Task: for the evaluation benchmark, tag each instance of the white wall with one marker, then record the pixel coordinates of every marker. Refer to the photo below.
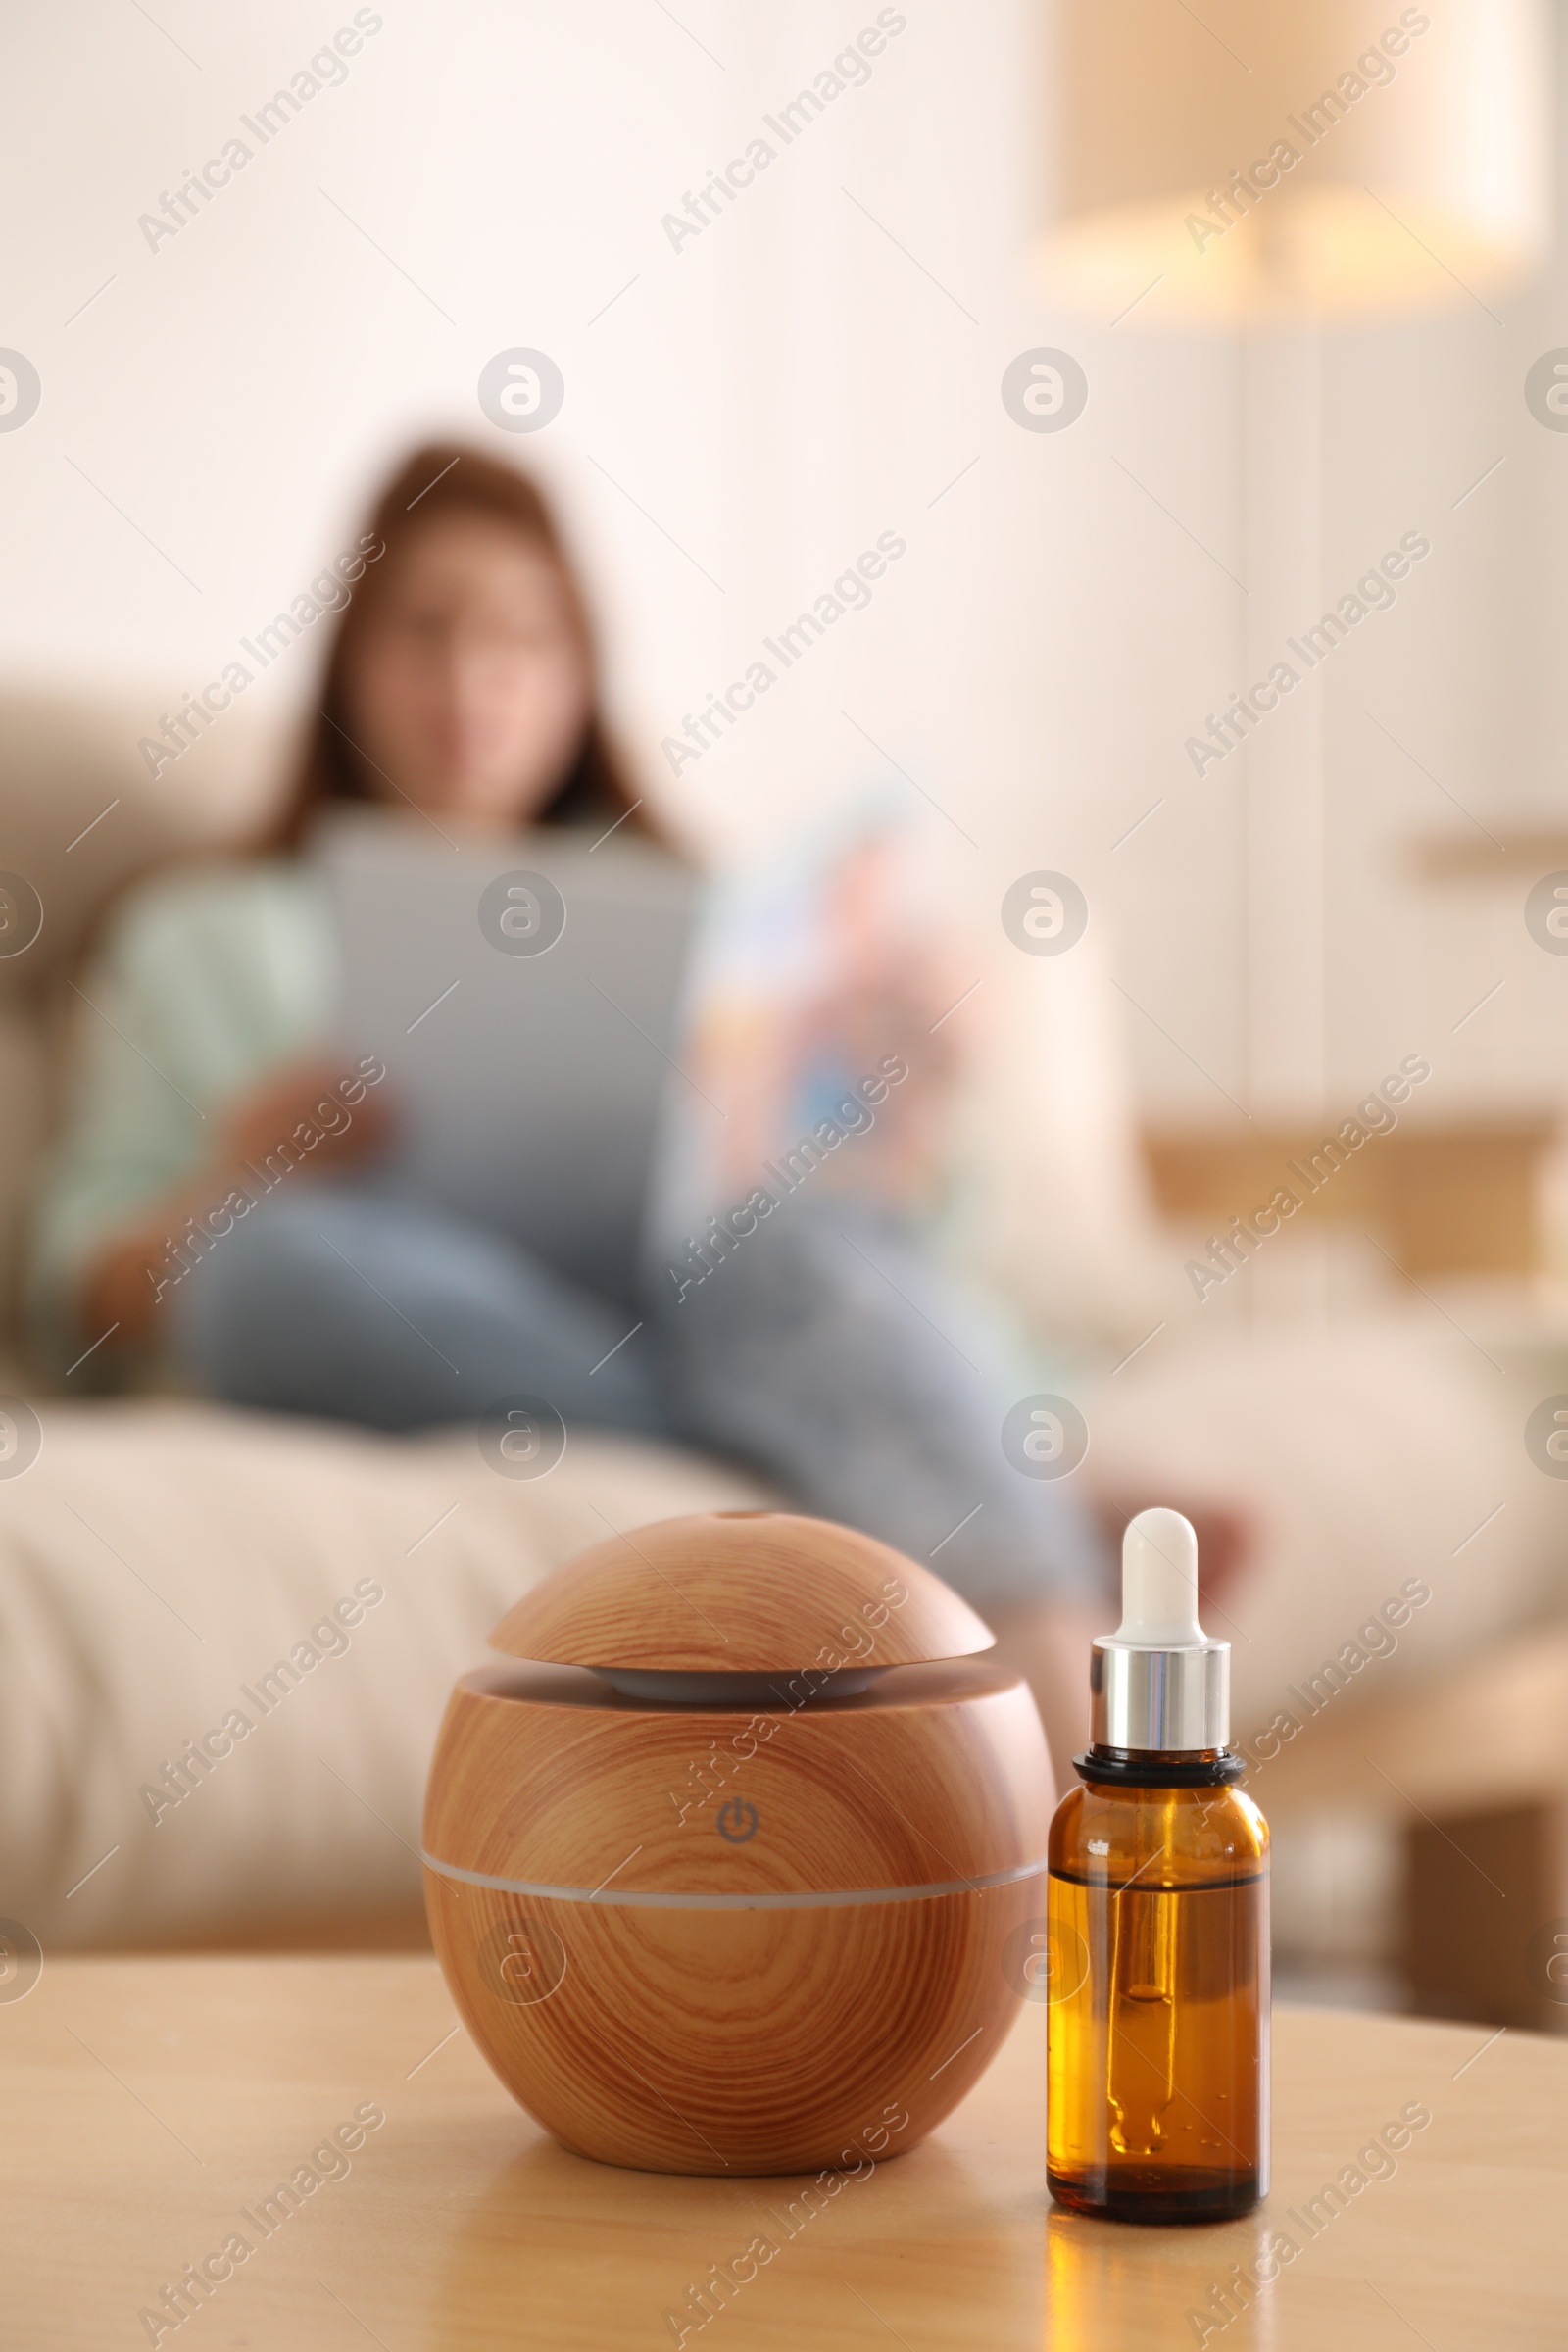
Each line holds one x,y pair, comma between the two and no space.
816,368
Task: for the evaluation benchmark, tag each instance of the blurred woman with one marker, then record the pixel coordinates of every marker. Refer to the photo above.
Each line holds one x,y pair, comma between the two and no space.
460,689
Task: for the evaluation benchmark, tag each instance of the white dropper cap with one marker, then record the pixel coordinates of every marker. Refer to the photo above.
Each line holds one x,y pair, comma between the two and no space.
1159,1681
1160,1582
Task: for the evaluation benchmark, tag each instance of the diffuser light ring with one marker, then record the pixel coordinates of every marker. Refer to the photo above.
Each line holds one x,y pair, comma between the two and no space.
833,1898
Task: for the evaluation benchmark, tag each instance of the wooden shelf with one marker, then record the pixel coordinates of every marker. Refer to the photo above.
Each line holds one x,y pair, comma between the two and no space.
1444,1199
1469,857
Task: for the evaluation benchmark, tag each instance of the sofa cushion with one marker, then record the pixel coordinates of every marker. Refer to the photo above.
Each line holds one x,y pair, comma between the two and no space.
80,813
161,1569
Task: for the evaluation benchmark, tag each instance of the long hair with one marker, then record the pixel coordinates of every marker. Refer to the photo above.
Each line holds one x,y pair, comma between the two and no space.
444,478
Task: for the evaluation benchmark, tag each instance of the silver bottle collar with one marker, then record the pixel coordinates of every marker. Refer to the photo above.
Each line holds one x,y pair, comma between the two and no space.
1172,1699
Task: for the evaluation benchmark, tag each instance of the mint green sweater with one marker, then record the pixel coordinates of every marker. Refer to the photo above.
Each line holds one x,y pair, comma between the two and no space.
206,980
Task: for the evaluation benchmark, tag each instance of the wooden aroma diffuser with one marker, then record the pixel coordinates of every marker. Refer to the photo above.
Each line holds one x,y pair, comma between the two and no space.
724,1878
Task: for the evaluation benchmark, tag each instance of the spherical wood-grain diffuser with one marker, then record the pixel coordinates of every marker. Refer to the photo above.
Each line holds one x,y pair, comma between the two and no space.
724,1878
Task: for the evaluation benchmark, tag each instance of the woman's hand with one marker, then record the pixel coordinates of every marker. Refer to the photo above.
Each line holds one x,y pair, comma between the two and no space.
269,1127
294,1125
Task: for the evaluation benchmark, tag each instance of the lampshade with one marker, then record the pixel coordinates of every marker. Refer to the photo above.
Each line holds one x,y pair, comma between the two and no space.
1275,156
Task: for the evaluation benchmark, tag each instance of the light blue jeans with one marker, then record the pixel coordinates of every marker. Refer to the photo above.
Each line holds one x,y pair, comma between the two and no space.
823,1353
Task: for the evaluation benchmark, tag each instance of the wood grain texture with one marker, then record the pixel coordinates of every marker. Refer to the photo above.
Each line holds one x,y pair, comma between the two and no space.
935,1773
741,1592
736,2040
147,2103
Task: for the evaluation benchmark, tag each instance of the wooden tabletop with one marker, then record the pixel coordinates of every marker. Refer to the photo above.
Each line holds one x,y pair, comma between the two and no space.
149,2107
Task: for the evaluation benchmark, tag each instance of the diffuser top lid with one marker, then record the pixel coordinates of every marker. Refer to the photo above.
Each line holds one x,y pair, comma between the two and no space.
740,1592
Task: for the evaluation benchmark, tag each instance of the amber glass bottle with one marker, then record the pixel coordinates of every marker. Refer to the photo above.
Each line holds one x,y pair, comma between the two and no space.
1160,1999
1157,1912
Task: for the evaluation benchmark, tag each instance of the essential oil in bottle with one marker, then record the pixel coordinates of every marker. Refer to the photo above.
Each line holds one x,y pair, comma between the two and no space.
1158,1921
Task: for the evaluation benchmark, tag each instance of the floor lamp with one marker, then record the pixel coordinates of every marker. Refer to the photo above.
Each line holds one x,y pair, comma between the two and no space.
1264,168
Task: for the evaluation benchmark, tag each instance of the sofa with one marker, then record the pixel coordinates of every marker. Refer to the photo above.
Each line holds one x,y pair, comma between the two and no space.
161,1558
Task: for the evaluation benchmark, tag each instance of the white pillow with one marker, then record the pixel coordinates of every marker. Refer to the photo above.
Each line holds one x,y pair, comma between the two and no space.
157,1562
